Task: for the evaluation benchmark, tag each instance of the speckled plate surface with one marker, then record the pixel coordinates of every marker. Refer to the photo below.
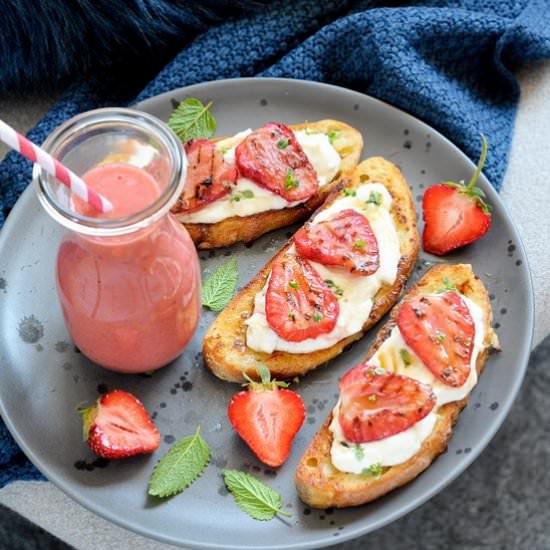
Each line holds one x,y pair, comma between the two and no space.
44,378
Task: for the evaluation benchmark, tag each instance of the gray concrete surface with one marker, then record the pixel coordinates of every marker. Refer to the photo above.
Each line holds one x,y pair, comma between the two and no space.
501,501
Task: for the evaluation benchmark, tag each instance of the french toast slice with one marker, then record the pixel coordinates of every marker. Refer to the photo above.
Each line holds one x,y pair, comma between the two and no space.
321,485
224,347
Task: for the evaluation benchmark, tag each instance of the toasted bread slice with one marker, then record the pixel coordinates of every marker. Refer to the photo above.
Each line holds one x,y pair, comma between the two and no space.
348,143
321,485
224,347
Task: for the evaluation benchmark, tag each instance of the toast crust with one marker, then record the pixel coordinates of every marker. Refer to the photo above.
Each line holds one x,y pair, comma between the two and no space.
348,144
321,485
224,347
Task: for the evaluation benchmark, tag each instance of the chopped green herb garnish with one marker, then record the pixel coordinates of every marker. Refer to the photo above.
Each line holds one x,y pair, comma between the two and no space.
372,397
375,197
440,338
317,317
291,182
223,150
237,196
282,143
332,135
359,243
405,356
336,289
374,470
447,286
347,192
293,284
359,452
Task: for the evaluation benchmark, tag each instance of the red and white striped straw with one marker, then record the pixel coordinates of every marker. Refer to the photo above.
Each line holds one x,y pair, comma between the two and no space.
35,154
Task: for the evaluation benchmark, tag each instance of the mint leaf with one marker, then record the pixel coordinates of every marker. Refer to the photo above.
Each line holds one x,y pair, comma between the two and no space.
191,119
219,288
180,466
252,496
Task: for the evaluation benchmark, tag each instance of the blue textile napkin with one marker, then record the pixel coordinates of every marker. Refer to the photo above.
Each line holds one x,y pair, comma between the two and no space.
448,62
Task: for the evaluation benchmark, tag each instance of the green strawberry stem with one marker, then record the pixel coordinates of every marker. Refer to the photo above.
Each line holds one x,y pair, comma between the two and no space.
266,383
480,164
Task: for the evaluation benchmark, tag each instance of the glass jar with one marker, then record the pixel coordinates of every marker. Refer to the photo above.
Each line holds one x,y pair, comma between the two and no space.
128,281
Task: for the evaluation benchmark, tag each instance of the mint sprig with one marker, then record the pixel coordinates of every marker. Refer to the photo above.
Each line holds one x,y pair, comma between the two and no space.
257,499
180,466
192,119
218,289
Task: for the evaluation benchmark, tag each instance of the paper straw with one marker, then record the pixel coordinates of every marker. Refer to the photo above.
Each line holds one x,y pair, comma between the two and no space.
53,167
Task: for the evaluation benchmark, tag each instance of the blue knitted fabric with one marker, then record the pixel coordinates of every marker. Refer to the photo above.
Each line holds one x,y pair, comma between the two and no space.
448,62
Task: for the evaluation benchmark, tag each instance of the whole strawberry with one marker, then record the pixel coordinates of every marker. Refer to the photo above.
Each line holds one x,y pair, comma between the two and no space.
267,416
455,214
118,426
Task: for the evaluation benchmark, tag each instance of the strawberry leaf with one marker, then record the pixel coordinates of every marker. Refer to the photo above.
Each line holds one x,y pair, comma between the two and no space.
88,416
180,466
219,288
252,496
191,119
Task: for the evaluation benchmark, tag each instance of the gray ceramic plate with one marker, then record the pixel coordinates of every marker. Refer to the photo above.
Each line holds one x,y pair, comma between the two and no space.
44,378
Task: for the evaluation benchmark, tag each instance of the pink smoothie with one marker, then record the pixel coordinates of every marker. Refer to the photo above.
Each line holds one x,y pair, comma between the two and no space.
132,302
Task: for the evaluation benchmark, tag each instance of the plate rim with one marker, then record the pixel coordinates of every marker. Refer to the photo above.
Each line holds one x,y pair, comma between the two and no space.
352,531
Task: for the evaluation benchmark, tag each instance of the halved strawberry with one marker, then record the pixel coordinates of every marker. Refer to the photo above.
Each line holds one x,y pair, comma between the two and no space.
455,214
375,404
118,426
440,330
267,416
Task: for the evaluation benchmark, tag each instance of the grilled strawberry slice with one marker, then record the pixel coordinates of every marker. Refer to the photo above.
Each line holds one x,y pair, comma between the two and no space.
440,330
375,404
118,426
455,214
208,176
345,239
267,416
298,303
272,157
